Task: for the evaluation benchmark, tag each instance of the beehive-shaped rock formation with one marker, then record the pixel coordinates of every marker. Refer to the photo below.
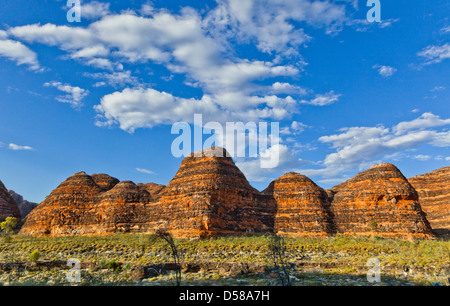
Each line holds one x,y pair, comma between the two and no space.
8,207
69,209
434,196
209,196
122,209
302,207
380,202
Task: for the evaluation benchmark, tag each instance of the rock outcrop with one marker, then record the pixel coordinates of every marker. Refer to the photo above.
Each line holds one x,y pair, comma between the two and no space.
302,207
434,196
68,210
379,202
210,196
8,207
25,206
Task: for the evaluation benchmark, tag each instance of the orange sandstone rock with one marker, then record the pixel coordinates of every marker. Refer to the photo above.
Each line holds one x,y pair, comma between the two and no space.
380,202
302,207
434,196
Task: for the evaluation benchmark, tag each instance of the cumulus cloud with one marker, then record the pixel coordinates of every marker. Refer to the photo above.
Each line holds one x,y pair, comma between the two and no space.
181,44
385,71
94,10
74,94
359,147
323,99
114,79
270,23
18,52
287,160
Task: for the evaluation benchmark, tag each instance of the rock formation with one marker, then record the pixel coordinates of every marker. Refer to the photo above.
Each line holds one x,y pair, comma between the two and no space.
380,202
68,210
209,196
8,207
25,206
302,207
434,196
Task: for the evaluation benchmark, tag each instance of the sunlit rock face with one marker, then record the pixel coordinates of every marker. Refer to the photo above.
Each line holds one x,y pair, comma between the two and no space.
209,197
379,202
434,196
302,207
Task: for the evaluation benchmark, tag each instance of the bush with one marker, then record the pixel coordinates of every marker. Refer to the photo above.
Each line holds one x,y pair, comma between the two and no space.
113,265
34,256
8,226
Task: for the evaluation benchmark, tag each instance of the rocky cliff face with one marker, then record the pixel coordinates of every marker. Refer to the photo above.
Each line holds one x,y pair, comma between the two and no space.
302,207
434,196
25,206
379,201
8,207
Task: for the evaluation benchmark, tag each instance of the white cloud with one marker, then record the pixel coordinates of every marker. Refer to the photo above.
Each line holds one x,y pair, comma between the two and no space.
142,170
359,147
94,10
427,120
17,52
323,99
270,23
447,158
294,129
437,88
74,95
422,157
287,88
445,30
435,54
287,161
16,147
385,71
114,79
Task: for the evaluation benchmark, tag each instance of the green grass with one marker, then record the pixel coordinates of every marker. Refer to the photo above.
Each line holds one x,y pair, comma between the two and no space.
340,254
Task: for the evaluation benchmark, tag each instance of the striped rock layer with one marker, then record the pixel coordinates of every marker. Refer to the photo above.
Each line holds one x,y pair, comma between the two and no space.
209,196
434,196
302,207
8,207
379,201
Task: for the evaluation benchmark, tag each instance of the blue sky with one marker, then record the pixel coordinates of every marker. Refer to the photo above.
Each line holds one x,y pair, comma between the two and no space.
101,95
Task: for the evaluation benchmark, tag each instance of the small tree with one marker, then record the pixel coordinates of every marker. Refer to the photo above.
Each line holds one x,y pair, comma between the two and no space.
34,256
168,239
277,257
7,227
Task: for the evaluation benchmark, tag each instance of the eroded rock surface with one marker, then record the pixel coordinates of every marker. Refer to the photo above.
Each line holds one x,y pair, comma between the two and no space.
302,207
209,196
25,206
379,202
434,196
8,207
